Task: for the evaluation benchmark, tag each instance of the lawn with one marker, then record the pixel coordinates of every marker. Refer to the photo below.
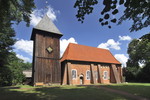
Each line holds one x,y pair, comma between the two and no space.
73,92
57,93
140,89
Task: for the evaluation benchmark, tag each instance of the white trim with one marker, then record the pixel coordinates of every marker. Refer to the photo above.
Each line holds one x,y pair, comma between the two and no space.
86,74
104,75
76,74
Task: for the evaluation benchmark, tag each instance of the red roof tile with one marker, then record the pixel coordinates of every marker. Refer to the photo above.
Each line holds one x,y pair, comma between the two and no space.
78,52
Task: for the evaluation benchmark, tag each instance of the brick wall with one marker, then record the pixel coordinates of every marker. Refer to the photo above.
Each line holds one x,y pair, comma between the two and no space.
83,67
105,67
81,71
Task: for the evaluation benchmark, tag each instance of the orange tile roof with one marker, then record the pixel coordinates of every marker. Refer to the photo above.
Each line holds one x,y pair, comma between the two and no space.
78,52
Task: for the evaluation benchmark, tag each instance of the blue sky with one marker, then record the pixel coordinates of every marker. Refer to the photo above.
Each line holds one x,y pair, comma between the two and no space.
90,33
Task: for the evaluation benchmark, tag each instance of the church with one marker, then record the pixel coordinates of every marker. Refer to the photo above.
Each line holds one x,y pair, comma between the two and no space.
79,65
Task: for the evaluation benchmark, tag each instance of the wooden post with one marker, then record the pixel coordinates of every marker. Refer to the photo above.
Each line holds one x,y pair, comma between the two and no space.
92,74
69,73
115,73
100,78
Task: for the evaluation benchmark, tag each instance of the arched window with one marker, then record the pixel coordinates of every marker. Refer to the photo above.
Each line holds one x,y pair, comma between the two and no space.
74,73
105,75
88,75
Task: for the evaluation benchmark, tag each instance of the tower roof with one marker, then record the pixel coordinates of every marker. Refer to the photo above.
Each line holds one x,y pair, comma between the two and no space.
47,25
78,52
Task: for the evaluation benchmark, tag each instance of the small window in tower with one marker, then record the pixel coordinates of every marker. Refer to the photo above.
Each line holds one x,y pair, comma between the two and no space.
88,75
49,49
74,73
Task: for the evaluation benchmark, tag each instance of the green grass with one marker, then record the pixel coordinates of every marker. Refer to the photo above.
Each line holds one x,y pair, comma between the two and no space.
140,89
25,92
58,93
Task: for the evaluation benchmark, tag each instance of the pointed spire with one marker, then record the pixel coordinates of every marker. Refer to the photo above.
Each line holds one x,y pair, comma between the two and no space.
47,25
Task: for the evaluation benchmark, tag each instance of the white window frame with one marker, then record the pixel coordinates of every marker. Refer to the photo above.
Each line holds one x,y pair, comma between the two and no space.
106,75
75,75
87,75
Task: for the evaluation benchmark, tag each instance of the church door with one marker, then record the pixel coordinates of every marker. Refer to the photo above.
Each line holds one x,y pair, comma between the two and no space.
81,79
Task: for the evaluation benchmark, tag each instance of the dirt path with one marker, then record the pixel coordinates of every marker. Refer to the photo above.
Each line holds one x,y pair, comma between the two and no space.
123,93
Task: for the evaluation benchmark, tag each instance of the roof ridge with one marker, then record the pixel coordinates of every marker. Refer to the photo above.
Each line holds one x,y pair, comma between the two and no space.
89,46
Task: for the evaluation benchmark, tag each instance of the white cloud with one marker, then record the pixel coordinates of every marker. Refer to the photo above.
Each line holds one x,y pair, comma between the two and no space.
35,19
64,43
26,59
103,45
122,59
128,38
37,15
110,44
24,45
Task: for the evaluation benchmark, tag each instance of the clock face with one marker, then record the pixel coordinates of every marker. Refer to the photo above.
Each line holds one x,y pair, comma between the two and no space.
49,49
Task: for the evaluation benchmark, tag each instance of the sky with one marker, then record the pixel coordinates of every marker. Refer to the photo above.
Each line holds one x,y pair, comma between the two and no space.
90,33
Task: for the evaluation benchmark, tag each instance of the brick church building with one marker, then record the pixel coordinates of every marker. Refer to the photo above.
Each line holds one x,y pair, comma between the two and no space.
82,64
79,64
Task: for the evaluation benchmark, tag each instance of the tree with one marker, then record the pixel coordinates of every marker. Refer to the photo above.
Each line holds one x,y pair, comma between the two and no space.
12,73
27,66
139,54
15,11
143,75
138,50
15,66
11,12
136,10
6,41
131,73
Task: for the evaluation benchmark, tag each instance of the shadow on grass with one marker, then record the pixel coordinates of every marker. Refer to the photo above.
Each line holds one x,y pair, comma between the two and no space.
140,89
59,93
12,93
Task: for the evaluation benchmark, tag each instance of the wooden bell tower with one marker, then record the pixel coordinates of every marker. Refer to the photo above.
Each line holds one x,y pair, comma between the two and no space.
46,53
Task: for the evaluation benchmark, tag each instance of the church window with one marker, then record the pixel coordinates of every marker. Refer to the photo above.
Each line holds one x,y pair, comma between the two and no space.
74,73
88,75
105,75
